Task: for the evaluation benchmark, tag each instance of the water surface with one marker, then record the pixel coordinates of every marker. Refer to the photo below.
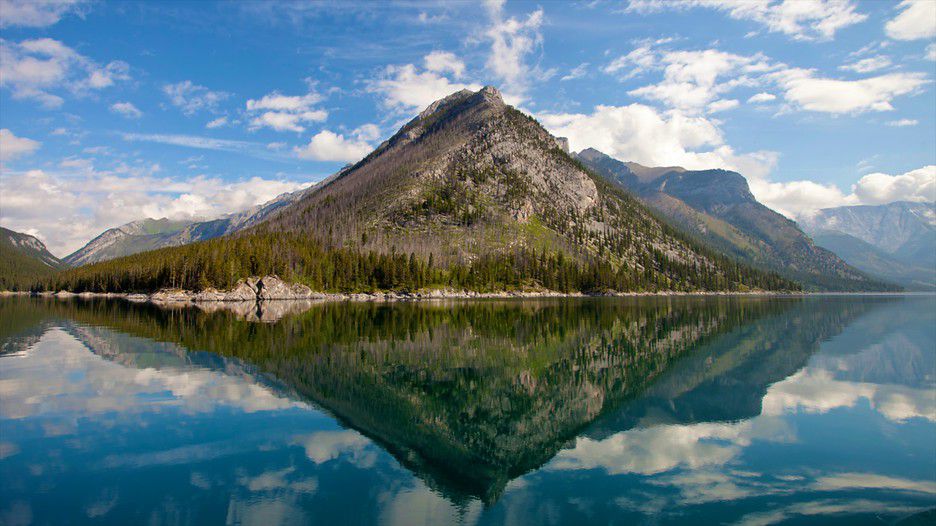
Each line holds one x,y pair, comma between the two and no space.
564,411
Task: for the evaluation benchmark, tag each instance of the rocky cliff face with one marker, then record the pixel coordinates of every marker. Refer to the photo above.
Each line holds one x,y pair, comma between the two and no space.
150,234
718,206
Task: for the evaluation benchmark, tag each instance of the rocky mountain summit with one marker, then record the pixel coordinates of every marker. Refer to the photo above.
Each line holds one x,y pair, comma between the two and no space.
718,206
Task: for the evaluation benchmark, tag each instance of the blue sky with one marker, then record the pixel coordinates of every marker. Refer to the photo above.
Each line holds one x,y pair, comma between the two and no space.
113,112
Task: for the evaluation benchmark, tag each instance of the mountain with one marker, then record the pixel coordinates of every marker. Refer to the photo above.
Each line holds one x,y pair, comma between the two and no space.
718,207
24,260
471,194
896,241
471,175
150,234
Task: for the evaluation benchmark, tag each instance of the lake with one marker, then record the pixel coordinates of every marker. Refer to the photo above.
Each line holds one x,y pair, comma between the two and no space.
722,410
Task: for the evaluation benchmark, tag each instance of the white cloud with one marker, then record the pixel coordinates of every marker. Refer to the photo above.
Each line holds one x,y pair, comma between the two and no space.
329,146
642,134
36,13
694,79
512,41
806,91
799,19
285,112
761,98
217,123
32,69
797,198
127,109
868,65
800,199
639,59
12,146
192,98
900,123
443,61
406,87
576,72
917,20
915,185
931,51
69,207
325,446
722,105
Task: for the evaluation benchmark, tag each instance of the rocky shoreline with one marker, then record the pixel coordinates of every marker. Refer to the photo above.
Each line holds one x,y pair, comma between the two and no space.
271,288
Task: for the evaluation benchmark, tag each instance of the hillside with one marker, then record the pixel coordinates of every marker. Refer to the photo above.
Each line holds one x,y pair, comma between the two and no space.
896,241
24,260
150,234
718,207
471,193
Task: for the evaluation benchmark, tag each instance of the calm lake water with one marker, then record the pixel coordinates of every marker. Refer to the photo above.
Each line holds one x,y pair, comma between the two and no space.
578,411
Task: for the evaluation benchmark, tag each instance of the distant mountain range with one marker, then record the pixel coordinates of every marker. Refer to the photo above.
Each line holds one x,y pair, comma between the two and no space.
150,234
23,260
895,242
718,207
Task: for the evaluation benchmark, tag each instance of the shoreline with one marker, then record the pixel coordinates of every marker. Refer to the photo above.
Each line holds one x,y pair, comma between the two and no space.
181,297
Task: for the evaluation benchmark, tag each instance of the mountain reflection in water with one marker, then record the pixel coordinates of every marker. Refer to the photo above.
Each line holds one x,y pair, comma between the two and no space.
561,410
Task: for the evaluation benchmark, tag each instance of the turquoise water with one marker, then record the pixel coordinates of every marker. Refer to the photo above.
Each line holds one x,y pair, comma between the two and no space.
575,411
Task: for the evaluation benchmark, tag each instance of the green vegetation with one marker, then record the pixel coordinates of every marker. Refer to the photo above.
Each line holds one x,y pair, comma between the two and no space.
220,263
24,261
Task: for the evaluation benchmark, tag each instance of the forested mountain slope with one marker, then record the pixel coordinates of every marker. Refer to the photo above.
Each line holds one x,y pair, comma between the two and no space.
24,260
718,207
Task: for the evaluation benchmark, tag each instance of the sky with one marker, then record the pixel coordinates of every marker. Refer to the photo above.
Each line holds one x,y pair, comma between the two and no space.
114,112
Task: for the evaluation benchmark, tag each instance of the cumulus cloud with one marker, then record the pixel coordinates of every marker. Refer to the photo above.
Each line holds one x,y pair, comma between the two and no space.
797,198
68,207
917,20
192,98
34,69
127,109
285,112
799,19
512,41
804,90
800,199
407,87
722,105
915,185
868,65
330,146
37,13
642,134
12,146
443,61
